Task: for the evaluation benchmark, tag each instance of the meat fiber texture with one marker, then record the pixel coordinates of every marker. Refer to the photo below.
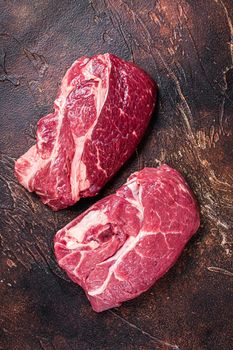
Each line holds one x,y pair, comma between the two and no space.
100,114
120,246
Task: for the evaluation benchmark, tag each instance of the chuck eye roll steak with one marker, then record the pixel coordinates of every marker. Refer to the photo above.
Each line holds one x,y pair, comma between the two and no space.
100,114
121,245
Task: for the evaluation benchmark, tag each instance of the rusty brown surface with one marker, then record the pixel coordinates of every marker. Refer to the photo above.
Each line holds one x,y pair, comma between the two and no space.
187,48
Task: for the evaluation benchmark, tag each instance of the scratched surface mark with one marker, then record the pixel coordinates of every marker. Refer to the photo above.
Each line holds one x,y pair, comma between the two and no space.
187,47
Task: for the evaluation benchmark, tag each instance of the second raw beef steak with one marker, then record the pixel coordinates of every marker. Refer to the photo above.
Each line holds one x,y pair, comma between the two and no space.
120,246
100,114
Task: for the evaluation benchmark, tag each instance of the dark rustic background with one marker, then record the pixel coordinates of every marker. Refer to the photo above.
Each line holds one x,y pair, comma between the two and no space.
187,47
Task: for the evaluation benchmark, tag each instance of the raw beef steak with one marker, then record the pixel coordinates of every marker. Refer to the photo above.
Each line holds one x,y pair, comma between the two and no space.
100,114
121,245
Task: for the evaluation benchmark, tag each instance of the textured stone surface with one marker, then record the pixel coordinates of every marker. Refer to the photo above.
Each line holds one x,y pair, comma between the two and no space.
186,46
